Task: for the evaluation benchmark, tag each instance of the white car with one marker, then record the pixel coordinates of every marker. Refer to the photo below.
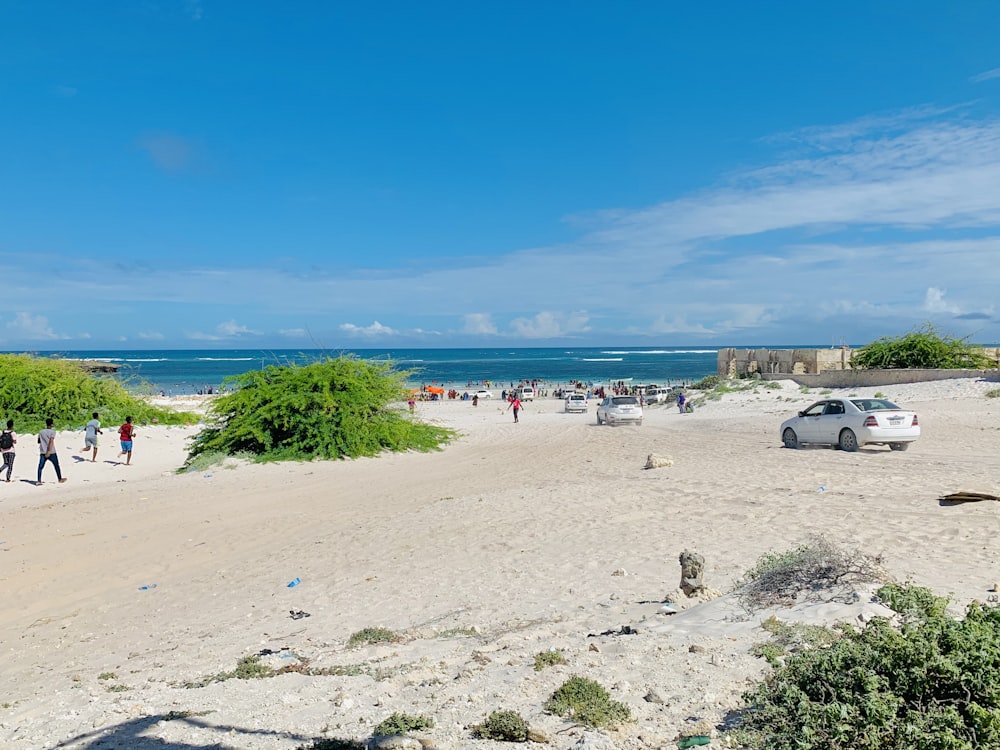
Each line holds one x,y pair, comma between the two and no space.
849,423
526,394
659,395
576,402
619,409
483,394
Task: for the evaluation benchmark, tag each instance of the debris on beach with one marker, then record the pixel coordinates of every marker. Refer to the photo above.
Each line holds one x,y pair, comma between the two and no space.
656,461
967,497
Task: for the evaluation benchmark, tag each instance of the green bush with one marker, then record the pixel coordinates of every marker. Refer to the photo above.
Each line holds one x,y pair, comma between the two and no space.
707,383
549,658
401,724
503,726
35,388
935,683
586,702
371,636
336,408
921,348
995,393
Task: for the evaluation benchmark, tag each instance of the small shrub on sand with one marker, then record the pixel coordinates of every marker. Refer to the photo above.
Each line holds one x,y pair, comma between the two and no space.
502,726
707,383
930,684
368,636
995,393
549,658
337,408
780,578
401,724
586,702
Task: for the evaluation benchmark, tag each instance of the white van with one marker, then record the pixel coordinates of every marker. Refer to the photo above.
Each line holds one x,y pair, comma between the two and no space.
526,394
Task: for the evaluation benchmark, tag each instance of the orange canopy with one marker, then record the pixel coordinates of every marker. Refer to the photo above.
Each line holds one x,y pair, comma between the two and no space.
434,389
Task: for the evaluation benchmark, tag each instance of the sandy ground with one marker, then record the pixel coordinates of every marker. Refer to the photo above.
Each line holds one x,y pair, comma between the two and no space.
125,585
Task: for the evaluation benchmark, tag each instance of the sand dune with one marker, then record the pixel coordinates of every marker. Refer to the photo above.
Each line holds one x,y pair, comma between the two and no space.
125,583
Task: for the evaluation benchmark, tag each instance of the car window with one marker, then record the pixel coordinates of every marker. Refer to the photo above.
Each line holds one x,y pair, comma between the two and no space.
834,407
815,410
626,400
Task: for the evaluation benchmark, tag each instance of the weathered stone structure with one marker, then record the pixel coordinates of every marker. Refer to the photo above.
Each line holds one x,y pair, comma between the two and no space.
829,368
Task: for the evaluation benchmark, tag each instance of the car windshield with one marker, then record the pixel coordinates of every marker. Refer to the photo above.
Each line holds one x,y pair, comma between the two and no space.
873,404
624,401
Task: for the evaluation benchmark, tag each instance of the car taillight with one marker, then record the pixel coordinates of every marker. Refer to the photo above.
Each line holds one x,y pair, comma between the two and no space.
870,421
914,423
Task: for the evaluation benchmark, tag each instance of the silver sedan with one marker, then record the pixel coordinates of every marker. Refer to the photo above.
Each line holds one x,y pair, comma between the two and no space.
849,423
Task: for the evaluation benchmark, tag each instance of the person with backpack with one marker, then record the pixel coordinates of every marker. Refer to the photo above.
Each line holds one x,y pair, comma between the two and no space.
8,439
47,452
90,439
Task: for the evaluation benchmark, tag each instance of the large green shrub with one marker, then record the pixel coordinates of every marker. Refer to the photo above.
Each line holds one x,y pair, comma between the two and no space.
922,348
34,388
932,683
339,407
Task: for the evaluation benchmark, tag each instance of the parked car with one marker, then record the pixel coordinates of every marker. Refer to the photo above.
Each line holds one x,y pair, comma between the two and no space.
659,395
619,409
483,394
849,423
526,394
576,402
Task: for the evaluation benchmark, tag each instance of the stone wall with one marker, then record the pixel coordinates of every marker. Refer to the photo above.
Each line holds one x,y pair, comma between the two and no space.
829,368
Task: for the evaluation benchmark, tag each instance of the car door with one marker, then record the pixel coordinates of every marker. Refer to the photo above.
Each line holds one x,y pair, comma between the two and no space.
831,422
808,425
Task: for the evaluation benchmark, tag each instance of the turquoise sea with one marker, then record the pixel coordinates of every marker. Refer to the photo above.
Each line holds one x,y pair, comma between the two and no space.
178,372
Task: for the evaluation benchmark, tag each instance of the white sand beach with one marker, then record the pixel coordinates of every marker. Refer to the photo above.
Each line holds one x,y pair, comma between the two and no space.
125,584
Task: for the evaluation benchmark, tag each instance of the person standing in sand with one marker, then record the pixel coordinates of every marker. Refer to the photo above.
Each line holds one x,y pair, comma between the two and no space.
126,432
515,404
90,441
47,452
8,439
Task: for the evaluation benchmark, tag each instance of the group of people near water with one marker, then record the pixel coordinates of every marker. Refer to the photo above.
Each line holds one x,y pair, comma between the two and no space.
47,445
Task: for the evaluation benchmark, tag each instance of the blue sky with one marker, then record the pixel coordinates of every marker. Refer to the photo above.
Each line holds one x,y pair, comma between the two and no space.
223,173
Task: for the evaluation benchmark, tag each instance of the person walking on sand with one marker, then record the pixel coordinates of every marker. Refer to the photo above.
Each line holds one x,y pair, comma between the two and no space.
8,439
126,432
515,404
47,452
90,441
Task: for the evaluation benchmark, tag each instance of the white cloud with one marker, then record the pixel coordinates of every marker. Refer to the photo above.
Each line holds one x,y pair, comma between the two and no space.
986,76
934,302
150,336
232,328
294,333
375,329
479,324
550,325
32,328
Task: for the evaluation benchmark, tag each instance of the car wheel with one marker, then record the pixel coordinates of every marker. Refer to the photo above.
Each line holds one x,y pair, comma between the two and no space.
848,441
639,423
599,418
789,438
898,446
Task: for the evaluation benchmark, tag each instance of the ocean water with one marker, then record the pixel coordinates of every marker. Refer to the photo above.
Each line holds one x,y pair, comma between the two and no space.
179,372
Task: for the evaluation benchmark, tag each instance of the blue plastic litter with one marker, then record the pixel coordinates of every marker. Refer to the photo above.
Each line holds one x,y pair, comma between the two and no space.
292,584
